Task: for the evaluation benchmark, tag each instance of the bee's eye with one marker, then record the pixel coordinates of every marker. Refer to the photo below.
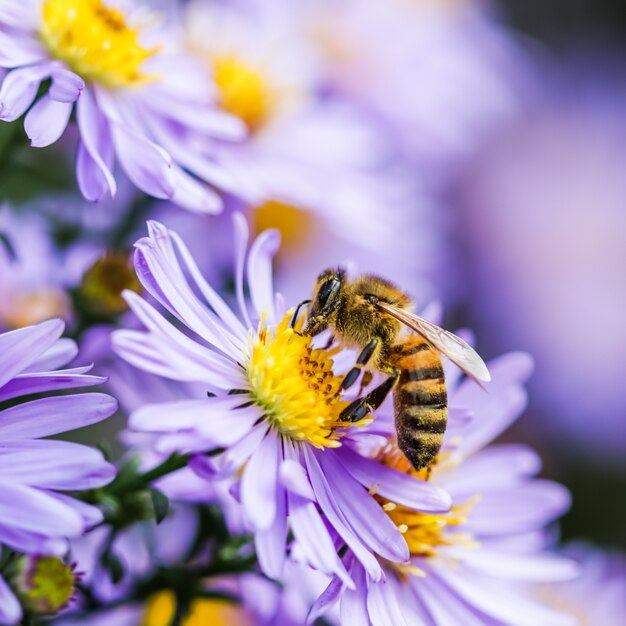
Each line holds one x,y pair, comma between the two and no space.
325,290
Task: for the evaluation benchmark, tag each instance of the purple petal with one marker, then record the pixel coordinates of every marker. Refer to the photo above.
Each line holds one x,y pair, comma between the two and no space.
38,512
325,497
19,49
10,608
444,606
147,279
66,86
142,351
184,442
354,601
313,538
59,354
524,567
520,509
260,273
496,467
240,226
18,15
499,602
396,486
50,416
270,544
383,606
193,195
216,302
293,476
95,154
500,406
33,543
145,163
216,419
413,606
46,121
374,526
19,89
91,515
159,256
54,465
19,348
326,600
25,384
259,483
239,453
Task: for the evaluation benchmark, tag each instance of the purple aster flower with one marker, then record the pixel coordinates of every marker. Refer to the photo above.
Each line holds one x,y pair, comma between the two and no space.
272,414
471,565
137,99
35,516
598,595
574,130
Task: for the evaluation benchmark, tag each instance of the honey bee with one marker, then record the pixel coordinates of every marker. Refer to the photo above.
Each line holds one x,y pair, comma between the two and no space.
373,315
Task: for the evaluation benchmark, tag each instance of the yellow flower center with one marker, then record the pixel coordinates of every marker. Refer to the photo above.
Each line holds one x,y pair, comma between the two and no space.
296,386
51,586
95,42
297,226
161,607
424,532
104,282
244,90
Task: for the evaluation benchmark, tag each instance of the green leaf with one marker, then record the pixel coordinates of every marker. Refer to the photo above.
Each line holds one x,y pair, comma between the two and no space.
161,504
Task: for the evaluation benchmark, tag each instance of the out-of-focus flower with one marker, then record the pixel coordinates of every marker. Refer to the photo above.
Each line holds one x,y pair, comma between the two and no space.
275,415
40,279
32,277
471,565
437,74
314,166
544,223
598,595
45,585
145,550
136,98
35,518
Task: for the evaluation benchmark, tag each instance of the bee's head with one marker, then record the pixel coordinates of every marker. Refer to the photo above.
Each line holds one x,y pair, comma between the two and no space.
326,300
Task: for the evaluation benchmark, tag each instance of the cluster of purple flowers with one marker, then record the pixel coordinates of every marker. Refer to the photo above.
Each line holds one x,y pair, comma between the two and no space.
238,495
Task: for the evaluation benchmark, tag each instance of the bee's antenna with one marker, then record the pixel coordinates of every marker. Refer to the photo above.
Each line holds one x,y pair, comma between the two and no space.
294,319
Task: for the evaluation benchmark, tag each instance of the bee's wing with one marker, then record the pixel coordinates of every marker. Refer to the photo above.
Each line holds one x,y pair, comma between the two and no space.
457,350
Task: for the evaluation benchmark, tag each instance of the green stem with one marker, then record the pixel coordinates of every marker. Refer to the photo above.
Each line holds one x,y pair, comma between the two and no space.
172,464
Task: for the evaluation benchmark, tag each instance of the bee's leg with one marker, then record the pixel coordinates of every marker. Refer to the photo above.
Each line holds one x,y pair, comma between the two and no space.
329,343
362,406
296,313
365,381
366,354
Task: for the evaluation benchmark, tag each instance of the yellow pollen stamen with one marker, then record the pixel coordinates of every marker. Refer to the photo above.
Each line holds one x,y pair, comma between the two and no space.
95,41
162,605
424,533
296,386
244,90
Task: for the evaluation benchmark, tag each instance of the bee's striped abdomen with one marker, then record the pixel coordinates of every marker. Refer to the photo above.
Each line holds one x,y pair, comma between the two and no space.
420,401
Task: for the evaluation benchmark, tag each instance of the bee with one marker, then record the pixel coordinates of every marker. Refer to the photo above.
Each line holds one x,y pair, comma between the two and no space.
374,316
